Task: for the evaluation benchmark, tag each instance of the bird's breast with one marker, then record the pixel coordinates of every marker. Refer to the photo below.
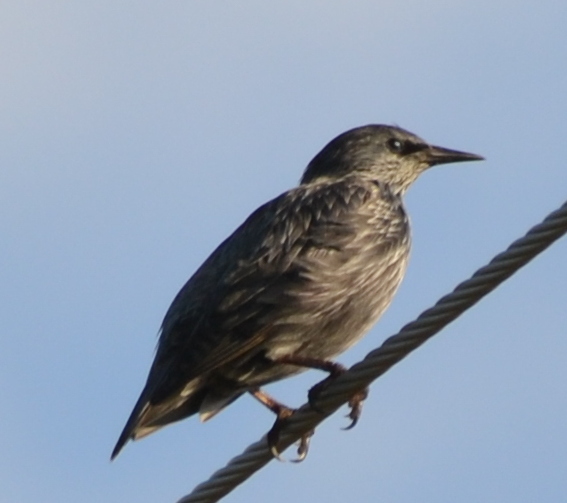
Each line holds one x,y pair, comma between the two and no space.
340,303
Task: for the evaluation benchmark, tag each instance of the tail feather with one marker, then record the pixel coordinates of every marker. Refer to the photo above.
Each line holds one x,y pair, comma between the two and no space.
142,405
147,417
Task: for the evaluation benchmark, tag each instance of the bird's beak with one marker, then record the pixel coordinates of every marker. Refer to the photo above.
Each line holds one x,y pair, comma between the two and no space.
439,155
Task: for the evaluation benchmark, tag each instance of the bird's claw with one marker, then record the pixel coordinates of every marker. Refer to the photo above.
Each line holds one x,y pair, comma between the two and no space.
303,447
355,404
354,416
274,436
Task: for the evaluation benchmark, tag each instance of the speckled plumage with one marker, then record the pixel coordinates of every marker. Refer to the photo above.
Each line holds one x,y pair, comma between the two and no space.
307,274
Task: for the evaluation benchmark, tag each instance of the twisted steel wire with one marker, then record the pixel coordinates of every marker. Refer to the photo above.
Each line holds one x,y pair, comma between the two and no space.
393,350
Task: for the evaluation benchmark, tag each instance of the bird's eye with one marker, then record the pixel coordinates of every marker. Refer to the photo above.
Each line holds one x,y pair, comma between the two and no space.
395,145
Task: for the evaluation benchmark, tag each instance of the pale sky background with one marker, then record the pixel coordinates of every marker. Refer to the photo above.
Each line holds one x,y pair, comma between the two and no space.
136,135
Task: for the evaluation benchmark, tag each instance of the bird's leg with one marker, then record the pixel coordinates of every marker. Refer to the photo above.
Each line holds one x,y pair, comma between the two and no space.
335,369
283,412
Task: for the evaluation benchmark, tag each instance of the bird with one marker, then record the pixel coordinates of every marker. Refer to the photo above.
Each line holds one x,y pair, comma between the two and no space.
300,281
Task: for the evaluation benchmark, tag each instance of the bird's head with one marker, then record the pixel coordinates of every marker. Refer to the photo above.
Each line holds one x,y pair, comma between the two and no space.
388,154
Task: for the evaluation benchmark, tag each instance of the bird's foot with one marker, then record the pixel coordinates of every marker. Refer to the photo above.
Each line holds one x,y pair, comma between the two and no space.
274,437
283,414
355,402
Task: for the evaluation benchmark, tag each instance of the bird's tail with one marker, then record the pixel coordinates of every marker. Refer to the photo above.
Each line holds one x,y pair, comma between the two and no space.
129,431
148,417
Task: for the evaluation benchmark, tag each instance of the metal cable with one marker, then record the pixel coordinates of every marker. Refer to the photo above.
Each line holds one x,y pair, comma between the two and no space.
394,349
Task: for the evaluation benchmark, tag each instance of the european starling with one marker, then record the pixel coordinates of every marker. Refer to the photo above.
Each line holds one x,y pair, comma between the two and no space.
301,280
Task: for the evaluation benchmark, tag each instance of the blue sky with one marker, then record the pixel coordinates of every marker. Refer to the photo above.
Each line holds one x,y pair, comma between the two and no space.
136,135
